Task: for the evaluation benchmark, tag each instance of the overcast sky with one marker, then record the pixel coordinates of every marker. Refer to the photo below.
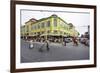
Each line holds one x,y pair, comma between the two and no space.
79,20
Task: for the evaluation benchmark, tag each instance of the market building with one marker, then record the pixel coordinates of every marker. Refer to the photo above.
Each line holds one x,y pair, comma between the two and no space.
51,28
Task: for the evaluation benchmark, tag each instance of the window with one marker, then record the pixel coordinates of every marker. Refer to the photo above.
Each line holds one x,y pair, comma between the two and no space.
42,25
42,32
48,23
60,32
64,33
38,33
38,26
32,33
55,32
55,22
35,33
26,28
35,27
32,28
48,31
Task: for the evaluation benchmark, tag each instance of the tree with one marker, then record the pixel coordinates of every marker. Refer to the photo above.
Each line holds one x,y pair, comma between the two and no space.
71,25
78,33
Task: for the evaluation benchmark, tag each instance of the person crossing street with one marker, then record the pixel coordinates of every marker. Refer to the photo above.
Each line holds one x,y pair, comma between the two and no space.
31,44
47,45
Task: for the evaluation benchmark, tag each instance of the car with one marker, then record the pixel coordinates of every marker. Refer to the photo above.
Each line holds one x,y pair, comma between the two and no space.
85,41
88,43
68,40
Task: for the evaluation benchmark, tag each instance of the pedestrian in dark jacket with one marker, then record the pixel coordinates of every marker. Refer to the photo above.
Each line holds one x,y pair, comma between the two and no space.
47,45
65,39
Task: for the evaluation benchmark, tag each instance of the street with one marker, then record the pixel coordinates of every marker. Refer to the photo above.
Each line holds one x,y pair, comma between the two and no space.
57,52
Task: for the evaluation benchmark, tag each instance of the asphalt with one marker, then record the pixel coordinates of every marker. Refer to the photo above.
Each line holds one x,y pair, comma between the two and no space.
57,52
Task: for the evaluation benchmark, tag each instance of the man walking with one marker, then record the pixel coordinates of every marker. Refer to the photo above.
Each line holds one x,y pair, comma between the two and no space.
47,45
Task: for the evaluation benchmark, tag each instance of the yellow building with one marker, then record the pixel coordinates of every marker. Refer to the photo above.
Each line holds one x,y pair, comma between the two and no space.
50,28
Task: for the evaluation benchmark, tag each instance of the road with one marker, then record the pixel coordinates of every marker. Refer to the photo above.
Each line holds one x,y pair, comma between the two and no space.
57,52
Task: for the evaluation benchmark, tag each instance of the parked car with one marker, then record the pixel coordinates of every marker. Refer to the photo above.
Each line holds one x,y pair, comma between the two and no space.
85,41
88,43
68,40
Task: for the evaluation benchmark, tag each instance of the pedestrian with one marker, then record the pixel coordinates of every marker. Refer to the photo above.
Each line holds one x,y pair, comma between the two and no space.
65,40
47,45
31,44
75,42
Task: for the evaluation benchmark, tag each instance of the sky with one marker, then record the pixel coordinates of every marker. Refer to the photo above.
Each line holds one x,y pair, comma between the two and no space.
79,19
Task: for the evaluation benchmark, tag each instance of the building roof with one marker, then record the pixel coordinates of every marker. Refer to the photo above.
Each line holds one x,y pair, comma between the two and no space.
31,20
53,15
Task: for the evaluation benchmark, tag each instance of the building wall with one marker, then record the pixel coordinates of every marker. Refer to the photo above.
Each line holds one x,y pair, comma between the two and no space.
41,26
54,26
